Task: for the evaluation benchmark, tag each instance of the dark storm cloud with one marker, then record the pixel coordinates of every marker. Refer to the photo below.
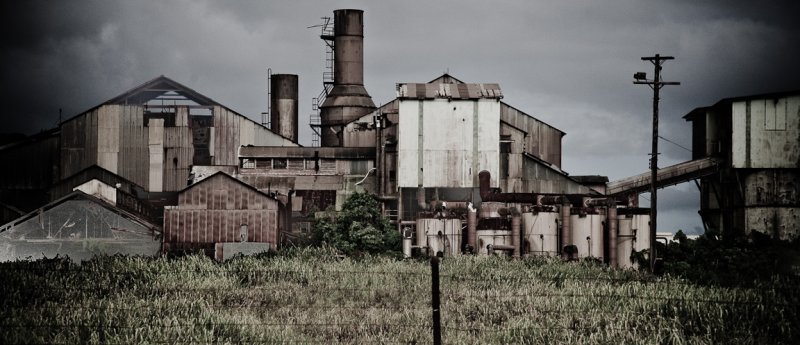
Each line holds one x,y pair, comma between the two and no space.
569,64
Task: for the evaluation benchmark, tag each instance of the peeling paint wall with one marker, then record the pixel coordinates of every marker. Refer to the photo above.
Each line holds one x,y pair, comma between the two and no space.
445,143
766,133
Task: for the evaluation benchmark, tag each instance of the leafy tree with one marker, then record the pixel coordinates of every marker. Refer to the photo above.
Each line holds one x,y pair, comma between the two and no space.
359,228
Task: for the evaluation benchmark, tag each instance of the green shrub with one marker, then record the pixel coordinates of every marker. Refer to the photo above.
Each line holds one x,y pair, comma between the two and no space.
359,228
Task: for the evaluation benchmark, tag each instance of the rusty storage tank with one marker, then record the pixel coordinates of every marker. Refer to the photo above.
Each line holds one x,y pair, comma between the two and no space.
348,99
283,105
448,241
587,234
494,238
540,231
634,235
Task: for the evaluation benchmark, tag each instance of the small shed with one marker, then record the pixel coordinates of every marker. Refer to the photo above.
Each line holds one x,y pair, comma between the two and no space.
222,216
79,226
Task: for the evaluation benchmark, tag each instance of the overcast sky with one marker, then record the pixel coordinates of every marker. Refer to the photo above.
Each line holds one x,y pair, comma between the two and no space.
568,63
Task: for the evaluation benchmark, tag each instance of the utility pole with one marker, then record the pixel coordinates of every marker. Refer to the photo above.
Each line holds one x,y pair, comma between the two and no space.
655,84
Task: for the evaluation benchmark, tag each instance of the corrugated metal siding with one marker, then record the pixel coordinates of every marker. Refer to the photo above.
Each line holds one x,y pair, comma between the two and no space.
542,179
178,152
232,130
108,138
215,209
543,140
134,152
79,143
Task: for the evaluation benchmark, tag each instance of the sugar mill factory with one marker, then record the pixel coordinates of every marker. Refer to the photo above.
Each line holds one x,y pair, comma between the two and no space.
456,169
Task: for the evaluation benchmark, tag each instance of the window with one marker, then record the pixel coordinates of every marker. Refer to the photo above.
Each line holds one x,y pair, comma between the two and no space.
248,163
279,163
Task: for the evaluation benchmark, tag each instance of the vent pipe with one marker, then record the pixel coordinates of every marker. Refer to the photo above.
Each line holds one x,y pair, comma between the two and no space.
348,99
566,234
283,105
472,226
515,232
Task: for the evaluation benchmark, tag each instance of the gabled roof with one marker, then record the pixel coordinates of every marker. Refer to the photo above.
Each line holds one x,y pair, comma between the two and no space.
81,195
171,90
156,87
228,177
446,79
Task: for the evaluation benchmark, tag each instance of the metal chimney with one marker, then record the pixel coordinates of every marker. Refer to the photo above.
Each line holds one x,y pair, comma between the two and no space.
348,99
283,106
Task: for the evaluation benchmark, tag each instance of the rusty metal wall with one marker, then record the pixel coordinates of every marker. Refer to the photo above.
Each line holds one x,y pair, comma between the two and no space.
231,130
215,210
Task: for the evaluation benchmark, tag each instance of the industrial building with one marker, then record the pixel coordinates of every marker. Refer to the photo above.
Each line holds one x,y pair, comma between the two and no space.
222,215
455,167
756,140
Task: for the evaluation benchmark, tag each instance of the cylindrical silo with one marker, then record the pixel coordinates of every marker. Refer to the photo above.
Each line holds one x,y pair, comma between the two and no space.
541,233
283,105
587,234
634,235
448,241
348,99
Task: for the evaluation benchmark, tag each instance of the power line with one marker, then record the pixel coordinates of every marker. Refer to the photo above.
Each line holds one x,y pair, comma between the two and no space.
674,143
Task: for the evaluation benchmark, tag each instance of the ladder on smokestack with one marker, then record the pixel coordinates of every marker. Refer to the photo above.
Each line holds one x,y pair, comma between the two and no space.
327,80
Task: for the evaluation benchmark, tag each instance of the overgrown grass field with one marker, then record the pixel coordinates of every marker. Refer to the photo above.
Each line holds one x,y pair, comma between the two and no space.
313,296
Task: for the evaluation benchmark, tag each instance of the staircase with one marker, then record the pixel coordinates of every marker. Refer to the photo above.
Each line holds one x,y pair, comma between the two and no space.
326,35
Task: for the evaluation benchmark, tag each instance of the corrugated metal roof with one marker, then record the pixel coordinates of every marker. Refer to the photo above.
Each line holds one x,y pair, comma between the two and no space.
449,91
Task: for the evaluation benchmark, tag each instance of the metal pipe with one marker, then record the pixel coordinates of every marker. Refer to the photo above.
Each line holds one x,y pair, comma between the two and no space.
566,235
365,177
422,238
515,232
472,225
456,205
378,156
421,198
549,200
504,247
408,233
613,227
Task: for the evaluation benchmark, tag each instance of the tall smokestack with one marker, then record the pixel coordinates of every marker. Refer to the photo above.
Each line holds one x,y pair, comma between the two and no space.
283,106
348,99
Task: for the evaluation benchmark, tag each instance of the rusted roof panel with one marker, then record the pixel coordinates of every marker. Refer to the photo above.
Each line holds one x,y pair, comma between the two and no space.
449,91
